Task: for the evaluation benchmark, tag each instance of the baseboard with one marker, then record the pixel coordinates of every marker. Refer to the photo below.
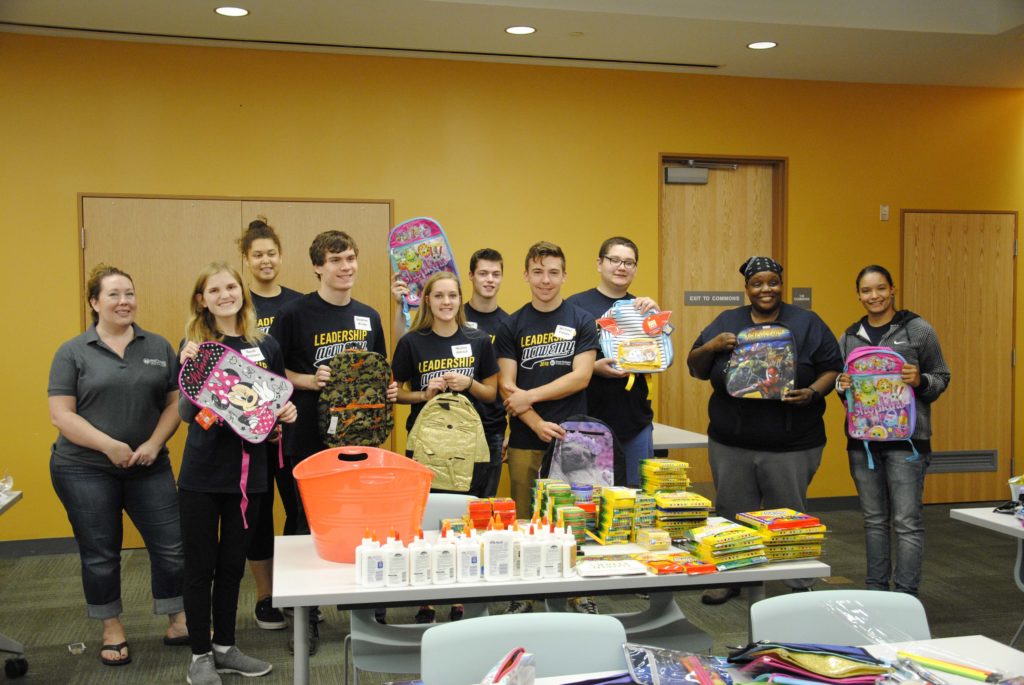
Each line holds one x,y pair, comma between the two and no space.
28,548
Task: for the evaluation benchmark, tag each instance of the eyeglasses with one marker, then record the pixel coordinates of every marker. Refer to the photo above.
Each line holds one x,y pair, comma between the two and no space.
616,262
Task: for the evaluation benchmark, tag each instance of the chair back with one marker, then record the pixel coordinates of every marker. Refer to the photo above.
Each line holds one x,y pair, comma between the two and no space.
563,644
442,505
840,617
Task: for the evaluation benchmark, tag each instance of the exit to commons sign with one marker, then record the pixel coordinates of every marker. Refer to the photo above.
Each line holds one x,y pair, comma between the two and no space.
712,298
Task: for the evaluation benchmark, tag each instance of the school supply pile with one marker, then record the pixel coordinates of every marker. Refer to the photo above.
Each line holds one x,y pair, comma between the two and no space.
663,475
643,513
790,663
674,561
787,534
727,545
481,512
493,555
657,666
448,438
678,512
615,516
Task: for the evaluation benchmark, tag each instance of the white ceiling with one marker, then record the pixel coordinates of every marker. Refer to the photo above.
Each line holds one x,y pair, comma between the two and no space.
942,42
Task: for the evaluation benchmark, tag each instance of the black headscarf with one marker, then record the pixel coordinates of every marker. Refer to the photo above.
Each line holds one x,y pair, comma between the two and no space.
756,265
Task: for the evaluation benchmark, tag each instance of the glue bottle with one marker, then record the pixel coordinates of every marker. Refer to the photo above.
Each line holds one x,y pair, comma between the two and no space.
420,560
467,567
396,562
497,553
443,562
373,572
367,542
530,556
550,554
568,553
517,549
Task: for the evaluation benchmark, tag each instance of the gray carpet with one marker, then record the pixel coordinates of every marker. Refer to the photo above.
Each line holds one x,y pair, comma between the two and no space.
968,589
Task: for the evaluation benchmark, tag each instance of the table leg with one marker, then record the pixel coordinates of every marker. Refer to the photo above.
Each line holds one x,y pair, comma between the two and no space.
301,641
755,593
1018,577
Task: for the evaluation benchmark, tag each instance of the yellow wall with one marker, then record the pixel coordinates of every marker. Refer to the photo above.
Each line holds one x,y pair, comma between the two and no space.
501,154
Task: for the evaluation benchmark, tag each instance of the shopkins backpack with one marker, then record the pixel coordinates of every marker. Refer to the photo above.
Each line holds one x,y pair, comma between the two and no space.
638,342
879,405
763,363
589,453
418,249
353,407
448,438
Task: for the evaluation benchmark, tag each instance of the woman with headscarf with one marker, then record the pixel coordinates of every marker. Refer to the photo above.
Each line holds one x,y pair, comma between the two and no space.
764,452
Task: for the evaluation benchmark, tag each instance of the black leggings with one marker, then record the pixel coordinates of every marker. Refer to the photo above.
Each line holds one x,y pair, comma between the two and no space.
215,543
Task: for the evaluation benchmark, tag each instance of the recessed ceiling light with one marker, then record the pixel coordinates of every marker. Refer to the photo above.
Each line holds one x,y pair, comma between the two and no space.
232,11
520,30
762,45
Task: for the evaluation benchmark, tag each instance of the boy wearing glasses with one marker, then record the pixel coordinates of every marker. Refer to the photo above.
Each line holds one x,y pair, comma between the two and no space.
627,412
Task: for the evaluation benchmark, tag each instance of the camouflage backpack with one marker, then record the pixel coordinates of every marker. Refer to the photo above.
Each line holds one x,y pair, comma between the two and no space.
353,407
448,438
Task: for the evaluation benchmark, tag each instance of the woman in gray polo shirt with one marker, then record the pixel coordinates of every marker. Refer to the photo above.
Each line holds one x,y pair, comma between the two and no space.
113,397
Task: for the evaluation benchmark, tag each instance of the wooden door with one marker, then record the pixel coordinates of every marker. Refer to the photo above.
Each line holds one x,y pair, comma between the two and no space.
958,273
706,233
164,243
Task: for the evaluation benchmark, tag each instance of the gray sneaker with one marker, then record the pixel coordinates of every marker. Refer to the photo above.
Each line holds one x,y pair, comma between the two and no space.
202,672
233,661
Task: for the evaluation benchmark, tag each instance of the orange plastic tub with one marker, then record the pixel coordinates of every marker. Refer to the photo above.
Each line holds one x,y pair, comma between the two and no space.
346,490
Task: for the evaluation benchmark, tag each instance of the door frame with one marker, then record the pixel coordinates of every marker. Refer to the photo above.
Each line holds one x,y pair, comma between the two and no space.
780,203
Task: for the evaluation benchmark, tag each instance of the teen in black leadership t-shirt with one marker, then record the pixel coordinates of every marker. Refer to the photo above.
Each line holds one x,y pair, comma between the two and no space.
423,355
544,345
311,332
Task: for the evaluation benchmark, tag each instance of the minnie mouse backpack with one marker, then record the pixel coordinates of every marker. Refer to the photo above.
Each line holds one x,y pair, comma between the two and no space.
879,405
763,363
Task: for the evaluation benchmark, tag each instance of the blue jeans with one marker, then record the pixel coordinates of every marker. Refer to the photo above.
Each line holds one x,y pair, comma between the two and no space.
94,499
890,496
636,449
491,471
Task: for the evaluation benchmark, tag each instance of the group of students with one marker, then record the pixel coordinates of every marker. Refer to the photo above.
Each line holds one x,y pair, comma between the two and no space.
113,397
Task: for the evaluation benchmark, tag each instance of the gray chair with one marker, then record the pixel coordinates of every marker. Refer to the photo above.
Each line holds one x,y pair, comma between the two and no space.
372,646
562,644
840,617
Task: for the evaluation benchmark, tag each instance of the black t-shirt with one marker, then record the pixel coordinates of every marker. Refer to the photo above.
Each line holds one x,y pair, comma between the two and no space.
771,425
875,333
423,355
212,459
311,332
626,412
493,413
268,307
544,345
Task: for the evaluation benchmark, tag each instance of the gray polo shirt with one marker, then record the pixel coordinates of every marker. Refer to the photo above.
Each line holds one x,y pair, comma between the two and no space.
120,397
